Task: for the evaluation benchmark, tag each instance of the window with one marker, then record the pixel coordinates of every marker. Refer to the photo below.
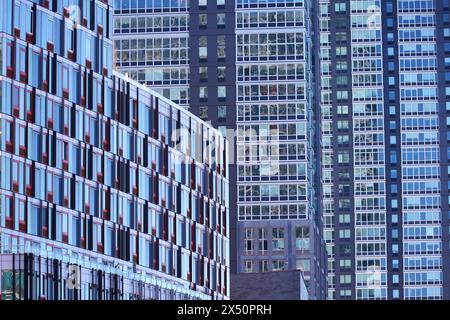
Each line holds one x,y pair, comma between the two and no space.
220,3
263,266
391,52
203,47
278,265
342,110
221,20
303,264
344,234
342,95
248,241
221,73
202,3
221,47
203,20
278,238
221,112
302,241
340,7
221,92
203,73
343,157
203,112
203,93
342,80
274,45
396,294
248,266
345,279
262,241
345,293
341,51
345,263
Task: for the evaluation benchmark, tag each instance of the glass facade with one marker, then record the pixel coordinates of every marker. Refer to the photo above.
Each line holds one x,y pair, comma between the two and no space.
278,221
99,173
384,137
249,72
159,55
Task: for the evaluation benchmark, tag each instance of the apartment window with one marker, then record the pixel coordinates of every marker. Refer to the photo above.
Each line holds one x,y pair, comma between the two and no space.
345,279
342,110
203,72
263,266
221,73
393,157
221,20
391,52
221,113
303,264
341,66
343,124
396,294
220,3
262,241
248,241
222,130
203,93
278,238
342,95
221,92
302,241
395,264
340,7
248,266
393,174
203,112
203,47
395,248
341,51
392,110
202,3
341,36
391,66
221,47
345,263
344,218
343,139
345,293
342,80
203,20
343,157
278,265
344,234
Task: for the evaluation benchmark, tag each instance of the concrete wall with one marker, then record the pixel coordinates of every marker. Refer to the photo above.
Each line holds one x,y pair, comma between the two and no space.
278,285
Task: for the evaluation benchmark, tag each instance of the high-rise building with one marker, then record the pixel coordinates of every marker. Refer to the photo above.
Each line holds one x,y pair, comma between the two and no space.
278,224
108,190
385,103
247,67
